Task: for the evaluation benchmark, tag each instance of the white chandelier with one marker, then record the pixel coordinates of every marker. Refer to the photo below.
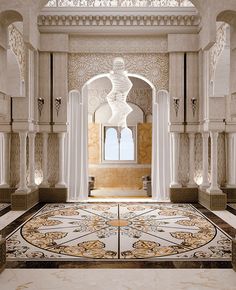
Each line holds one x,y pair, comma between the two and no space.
119,3
121,86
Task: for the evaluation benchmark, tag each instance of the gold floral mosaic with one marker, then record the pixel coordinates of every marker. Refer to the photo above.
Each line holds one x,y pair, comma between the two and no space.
118,231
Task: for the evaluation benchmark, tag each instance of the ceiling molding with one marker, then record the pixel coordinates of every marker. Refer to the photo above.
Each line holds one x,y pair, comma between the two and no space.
183,20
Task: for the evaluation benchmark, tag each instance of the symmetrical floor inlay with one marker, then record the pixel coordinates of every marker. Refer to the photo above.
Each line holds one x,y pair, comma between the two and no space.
118,231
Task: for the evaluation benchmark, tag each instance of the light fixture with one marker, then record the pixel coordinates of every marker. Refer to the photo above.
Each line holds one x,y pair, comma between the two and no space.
40,105
121,86
58,105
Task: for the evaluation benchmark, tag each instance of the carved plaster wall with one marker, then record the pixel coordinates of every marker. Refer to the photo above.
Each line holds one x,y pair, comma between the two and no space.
52,160
17,45
184,159
145,143
154,67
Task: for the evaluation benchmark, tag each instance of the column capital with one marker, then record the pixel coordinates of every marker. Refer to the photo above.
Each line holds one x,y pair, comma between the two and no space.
61,134
31,134
23,134
191,135
205,135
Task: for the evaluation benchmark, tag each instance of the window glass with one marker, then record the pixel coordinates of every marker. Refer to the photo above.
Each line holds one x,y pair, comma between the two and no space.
111,144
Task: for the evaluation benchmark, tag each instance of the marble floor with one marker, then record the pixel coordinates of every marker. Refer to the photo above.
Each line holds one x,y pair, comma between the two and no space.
123,276
233,205
118,192
128,279
119,231
4,208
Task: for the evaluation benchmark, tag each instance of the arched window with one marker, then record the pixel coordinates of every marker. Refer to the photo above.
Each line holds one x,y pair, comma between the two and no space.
111,144
119,146
126,145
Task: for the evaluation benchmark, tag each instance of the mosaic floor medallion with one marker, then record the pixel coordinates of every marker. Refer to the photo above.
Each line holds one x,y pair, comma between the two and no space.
118,231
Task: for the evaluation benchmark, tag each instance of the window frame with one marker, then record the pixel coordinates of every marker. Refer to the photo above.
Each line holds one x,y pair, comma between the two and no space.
134,131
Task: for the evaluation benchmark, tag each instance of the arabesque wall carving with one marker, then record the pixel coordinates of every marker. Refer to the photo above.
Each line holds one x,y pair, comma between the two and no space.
17,45
184,159
154,67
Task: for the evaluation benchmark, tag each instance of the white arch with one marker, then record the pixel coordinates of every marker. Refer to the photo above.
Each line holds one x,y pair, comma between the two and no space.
78,141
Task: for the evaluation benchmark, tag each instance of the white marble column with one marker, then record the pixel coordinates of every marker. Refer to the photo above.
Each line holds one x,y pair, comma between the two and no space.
23,188
61,182
175,140
45,160
231,160
5,156
191,182
205,182
31,137
214,187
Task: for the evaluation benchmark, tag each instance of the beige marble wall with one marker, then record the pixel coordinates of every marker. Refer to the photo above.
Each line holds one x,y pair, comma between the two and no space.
144,143
119,177
94,143
128,176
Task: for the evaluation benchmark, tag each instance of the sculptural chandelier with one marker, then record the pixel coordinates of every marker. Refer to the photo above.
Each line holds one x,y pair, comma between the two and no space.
121,86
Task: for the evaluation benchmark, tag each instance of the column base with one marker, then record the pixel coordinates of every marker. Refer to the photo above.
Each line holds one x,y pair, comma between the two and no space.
192,185
61,185
23,190
184,195
5,194
231,193
23,201
33,186
4,185
52,194
44,185
204,186
213,201
214,190
175,185
230,185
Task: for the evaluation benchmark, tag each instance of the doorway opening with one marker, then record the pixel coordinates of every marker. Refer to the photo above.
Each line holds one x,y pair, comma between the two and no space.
120,158
104,161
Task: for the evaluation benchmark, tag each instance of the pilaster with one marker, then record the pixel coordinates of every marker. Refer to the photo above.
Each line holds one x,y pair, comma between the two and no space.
45,160
61,182
23,188
205,182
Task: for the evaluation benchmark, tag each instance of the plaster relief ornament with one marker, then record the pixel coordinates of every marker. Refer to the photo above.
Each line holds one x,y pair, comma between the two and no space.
121,86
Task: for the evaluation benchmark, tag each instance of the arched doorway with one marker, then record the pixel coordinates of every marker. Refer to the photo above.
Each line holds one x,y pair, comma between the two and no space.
78,142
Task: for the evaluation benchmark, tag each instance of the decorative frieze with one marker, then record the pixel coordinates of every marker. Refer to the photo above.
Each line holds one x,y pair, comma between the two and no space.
118,20
119,3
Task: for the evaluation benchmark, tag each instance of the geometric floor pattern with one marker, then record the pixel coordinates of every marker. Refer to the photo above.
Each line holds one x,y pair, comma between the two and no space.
118,231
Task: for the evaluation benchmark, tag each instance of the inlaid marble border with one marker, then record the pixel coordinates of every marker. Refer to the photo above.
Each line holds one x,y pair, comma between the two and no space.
231,209
4,208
